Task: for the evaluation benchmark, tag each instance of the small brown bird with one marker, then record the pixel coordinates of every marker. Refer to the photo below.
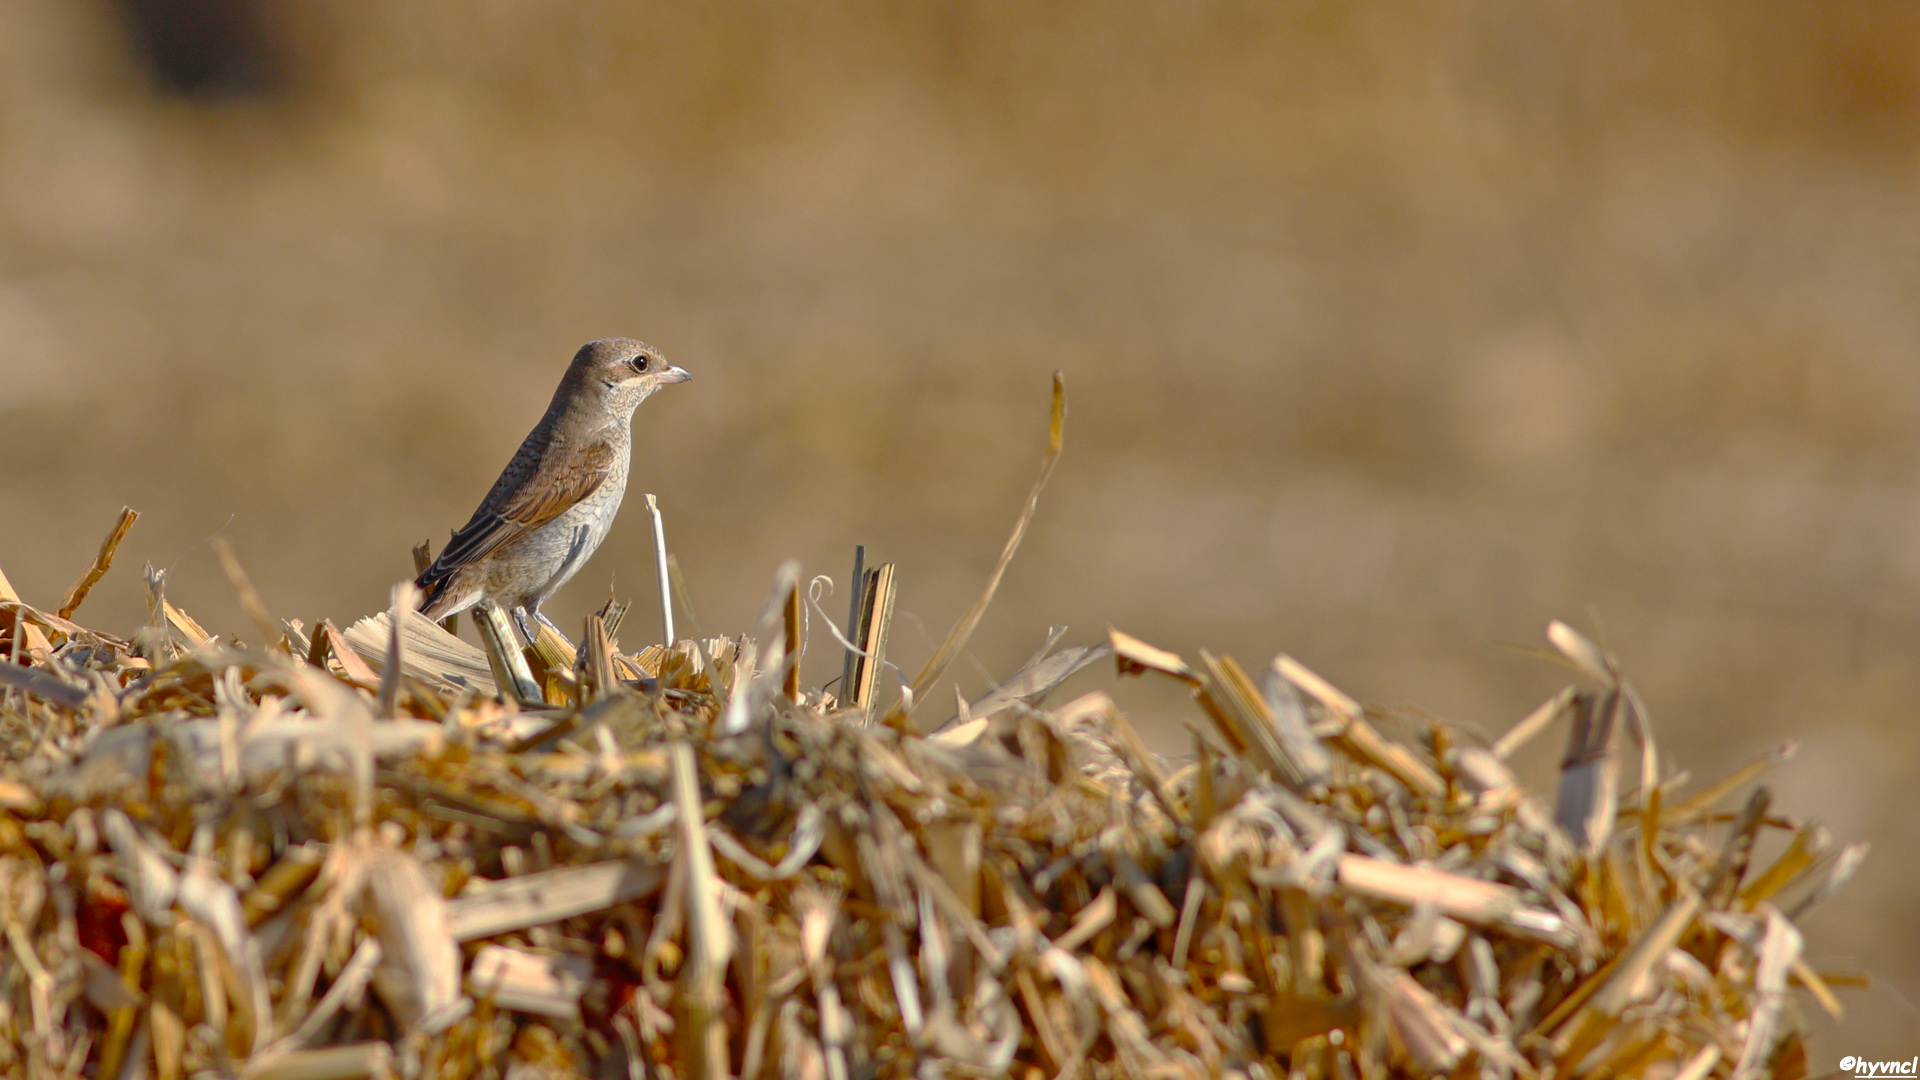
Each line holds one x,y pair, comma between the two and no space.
557,498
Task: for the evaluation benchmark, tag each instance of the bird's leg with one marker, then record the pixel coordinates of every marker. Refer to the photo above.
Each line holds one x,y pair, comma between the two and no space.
548,623
526,628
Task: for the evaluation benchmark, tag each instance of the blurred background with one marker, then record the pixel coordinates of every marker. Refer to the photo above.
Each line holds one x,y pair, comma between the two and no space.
1389,334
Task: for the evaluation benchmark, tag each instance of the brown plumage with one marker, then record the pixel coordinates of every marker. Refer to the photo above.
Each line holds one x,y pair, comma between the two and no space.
557,498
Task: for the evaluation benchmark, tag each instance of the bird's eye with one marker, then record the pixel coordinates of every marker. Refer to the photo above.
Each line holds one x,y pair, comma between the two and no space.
641,363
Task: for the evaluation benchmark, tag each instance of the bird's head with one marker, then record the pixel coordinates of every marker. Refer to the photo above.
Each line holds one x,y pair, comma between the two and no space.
620,373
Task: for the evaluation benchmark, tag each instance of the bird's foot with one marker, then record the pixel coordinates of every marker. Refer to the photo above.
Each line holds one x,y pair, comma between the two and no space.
548,623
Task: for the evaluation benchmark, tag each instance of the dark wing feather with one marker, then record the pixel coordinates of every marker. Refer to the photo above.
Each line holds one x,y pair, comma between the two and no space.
553,482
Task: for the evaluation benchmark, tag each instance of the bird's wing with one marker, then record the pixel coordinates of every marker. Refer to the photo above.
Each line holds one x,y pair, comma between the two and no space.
511,510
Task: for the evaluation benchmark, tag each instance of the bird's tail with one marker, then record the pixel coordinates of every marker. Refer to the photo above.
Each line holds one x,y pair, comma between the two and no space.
432,583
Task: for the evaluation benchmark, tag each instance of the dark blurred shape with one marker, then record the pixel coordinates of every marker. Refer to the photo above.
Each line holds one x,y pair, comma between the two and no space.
212,49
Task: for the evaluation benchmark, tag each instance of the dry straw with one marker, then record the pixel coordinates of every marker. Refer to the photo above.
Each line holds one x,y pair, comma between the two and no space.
328,854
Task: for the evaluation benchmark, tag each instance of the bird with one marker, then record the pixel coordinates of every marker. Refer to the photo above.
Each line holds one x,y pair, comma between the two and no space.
556,500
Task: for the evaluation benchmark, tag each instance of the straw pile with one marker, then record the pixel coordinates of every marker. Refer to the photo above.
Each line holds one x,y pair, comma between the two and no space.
341,854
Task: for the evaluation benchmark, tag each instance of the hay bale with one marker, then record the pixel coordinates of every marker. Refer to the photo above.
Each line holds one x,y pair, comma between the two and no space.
344,854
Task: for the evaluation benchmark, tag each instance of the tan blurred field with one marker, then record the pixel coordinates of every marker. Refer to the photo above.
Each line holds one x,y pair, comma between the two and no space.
1389,335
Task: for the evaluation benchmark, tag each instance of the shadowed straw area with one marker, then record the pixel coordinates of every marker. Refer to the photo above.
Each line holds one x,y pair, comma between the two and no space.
328,853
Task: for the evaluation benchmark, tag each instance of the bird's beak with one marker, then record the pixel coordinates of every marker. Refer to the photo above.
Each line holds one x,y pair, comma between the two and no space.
674,373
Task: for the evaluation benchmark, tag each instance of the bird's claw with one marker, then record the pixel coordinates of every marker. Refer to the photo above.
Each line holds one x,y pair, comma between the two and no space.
521,613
